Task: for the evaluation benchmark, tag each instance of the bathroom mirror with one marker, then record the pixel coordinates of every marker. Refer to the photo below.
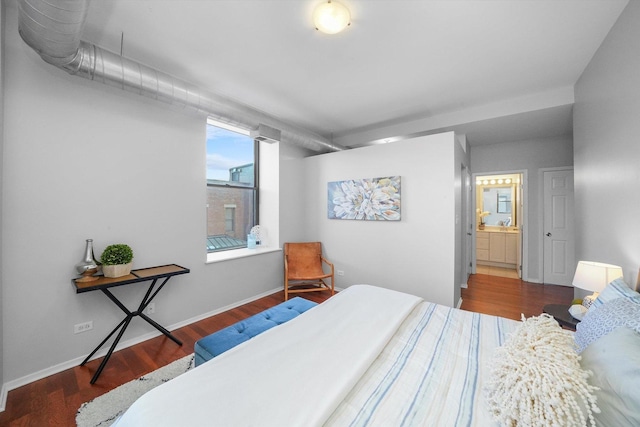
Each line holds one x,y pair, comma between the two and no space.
496,201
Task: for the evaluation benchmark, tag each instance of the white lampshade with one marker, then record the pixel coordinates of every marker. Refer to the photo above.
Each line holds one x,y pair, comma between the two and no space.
331,17
594,276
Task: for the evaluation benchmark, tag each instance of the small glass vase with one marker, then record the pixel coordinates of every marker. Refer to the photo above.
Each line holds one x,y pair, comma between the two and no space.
88,266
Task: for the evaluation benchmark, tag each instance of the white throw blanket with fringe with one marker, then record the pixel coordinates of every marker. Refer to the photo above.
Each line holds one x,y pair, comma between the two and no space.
267,380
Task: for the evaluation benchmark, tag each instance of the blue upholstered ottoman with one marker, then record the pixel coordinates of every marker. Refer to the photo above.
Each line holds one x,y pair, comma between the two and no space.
217,343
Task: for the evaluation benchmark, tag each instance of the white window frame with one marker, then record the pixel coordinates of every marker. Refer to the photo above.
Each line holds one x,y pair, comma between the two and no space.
269,200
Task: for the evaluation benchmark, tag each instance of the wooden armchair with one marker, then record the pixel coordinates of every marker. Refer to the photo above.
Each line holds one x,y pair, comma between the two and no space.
303,269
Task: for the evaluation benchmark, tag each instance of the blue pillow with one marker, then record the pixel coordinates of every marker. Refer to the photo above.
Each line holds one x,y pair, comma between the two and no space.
614,290
609,316
614,361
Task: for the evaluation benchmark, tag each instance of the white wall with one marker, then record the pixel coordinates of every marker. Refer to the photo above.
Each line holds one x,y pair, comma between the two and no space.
2,28
414,255
83,160
530,156
606,149
294,225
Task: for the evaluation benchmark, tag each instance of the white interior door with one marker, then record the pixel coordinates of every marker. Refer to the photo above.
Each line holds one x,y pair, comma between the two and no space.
520,204
558,229
467,222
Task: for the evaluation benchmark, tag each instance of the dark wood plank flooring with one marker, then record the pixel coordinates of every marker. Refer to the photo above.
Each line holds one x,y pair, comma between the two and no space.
510,298
53,401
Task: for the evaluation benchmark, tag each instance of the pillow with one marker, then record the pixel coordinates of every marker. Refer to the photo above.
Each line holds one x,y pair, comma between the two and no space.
615,362
609,316
536,379
614,290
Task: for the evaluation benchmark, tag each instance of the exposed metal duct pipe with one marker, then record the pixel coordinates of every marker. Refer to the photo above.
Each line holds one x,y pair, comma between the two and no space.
53,28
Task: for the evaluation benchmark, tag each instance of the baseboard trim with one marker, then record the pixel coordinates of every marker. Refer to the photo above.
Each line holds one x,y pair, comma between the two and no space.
19,382
3,398
459,303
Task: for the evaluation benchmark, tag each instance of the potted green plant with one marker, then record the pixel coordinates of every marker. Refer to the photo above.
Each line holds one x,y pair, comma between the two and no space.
116,260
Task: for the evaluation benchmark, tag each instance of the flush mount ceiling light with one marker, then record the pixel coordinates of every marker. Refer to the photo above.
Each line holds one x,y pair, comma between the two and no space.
331,17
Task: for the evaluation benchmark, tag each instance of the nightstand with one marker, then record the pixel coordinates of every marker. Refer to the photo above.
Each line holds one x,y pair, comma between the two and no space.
560,312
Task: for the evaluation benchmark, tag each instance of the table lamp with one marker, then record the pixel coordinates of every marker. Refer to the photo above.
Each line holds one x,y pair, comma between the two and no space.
594,276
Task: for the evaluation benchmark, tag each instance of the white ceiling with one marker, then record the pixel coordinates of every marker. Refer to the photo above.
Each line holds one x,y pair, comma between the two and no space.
497,70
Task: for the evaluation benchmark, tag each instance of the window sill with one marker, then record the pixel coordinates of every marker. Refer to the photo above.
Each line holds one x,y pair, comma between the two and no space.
239,253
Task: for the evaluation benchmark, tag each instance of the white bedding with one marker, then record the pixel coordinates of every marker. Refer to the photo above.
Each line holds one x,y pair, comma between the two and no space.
366,357
292,375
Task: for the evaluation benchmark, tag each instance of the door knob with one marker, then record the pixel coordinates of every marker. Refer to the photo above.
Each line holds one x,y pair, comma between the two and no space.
548,234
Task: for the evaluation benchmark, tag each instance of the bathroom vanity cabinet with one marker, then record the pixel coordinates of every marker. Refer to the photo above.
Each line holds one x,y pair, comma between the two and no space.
498,247
482,246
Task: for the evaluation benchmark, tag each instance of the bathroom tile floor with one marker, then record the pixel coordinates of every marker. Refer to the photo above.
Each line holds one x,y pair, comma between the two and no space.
497,271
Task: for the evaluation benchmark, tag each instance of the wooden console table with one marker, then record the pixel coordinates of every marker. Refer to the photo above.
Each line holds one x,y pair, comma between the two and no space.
103,284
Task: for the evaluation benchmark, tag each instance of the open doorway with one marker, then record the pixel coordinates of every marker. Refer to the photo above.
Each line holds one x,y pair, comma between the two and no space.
499,224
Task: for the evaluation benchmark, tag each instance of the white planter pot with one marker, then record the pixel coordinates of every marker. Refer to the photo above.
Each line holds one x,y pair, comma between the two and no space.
117,270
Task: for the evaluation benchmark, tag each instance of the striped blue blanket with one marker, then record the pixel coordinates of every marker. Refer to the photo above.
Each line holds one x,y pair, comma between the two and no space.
430,374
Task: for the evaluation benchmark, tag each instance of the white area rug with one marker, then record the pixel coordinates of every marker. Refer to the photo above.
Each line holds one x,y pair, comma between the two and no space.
104,410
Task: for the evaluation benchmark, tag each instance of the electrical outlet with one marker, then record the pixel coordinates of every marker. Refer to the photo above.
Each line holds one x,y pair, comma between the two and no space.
340,273
151,308
83,327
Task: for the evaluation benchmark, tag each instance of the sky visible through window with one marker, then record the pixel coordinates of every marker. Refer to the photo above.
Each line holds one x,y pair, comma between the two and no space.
226,149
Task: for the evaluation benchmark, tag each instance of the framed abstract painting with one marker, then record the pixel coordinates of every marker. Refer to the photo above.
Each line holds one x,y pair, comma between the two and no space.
374,199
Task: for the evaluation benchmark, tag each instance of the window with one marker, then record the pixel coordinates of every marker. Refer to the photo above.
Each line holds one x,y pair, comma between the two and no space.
232,191
504,201
229,219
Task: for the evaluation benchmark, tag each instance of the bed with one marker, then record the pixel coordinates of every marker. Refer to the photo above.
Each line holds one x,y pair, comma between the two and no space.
368,356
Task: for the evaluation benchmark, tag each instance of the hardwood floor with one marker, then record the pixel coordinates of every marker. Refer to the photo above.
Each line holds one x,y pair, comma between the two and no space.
53,401
506,297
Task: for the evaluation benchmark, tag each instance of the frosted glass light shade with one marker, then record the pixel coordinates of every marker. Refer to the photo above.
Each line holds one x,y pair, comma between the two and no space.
594,276
331,17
